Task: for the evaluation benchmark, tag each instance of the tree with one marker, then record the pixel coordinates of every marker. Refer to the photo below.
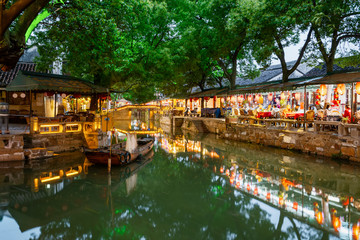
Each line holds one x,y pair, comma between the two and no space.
15,19
334,22
277,25
113,43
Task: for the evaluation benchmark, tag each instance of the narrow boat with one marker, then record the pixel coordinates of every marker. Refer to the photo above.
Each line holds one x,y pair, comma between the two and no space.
118,155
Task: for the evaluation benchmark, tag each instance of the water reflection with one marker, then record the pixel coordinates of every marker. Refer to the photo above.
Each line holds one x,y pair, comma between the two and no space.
190,187
322,193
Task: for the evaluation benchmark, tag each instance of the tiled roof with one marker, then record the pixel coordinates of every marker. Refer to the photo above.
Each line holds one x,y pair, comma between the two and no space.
34,81
7,77
321,70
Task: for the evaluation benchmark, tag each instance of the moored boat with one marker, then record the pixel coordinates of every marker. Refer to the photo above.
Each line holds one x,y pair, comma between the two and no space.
119,156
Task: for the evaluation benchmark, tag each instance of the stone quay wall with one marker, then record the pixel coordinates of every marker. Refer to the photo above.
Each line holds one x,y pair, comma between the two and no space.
11,148
320,143
56,142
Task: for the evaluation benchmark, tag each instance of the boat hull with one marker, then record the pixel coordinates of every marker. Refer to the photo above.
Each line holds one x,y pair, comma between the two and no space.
118,157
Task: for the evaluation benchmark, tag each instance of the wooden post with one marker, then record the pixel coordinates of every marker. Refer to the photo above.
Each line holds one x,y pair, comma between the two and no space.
30,104
109,159
55,104
352,106
305,106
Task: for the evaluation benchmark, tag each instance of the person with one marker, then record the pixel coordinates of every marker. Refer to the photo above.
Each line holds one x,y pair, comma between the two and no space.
347,113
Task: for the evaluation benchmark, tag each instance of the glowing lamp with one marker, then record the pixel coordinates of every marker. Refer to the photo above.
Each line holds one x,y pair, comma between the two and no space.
355,231
240,177
281,201
233,174
227,172
336,223
261,99
222,100
323,89
238,184
341,88
257,97
319,217
232,181
295,206
221,170
268,196
256,191
270,97
206,98
232,99
250,98
357,87
241,98
248,188
297,97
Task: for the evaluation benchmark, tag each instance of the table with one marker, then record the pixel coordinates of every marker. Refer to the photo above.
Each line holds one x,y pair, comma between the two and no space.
294,115
264,114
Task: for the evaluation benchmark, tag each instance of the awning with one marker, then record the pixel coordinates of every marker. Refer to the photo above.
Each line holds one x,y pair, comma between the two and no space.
209,93
34,81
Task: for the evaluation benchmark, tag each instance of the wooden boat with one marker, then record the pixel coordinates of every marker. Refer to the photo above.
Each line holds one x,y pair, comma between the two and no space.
118,155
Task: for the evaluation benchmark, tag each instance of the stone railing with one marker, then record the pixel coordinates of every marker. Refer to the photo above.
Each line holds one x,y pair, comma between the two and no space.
340,128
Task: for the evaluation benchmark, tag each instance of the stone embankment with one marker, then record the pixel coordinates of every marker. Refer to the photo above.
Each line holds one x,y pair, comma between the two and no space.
329,144
321,143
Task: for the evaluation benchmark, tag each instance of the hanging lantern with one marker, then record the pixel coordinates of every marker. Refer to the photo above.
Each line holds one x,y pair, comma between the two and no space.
295,206
232,98
241,98
22,95
319,217
341,88
222,100
261,99
250,98
195,99
257,98
282,96
206,98
270,97
336,223
323,89
268,196
15,95
357,87
63,95
297,96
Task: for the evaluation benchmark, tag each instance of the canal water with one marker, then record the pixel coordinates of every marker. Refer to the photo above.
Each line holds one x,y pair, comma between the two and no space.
189,187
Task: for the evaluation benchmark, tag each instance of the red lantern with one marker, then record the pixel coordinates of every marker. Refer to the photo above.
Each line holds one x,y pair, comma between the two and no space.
256,191
336,223
268,196
297,97
227,172
319,217
195,99
221,170
295,206
341,88
232,99
206,98
323,89
241,98
257,98
270,97
281,201
248,187
250,98
238,184
356,231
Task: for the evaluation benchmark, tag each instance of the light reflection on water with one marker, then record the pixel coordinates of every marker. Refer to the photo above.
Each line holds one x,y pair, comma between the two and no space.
193,187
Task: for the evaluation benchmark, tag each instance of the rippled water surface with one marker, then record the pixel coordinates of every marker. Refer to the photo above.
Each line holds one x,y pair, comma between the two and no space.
189,187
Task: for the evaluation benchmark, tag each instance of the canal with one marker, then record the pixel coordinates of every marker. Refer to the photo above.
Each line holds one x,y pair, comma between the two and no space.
189,187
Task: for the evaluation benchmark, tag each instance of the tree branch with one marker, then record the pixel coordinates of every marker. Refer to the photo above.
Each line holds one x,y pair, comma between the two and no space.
302,51
9,15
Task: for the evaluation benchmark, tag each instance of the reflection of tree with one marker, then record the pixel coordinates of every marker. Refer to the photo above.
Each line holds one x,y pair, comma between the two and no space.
173,199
